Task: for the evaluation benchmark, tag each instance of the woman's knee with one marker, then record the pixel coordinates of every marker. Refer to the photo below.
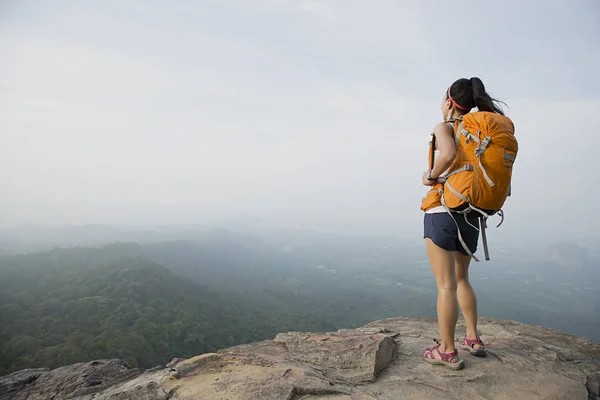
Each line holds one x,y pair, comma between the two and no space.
447,283
462,267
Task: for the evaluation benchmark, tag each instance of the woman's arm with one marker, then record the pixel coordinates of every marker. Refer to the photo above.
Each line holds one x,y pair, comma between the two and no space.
444,139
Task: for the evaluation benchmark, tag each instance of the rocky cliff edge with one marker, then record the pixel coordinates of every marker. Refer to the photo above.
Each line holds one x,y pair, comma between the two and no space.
380,361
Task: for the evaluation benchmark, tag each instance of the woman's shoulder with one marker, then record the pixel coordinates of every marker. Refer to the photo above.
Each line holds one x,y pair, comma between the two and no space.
443,128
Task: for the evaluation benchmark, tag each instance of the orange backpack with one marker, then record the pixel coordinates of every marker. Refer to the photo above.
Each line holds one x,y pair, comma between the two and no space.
480,176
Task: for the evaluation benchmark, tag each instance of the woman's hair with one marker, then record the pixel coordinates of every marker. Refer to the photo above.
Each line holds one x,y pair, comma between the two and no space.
469,93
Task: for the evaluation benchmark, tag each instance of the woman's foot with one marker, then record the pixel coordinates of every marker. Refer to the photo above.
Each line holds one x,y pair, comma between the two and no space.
474,346
435,356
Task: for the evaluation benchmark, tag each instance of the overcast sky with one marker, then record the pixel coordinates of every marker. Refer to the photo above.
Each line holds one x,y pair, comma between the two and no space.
305,113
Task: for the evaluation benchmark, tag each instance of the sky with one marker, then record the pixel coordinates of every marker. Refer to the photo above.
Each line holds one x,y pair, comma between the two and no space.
298,113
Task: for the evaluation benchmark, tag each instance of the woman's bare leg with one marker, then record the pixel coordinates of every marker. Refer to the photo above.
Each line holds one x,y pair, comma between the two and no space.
443,266
466,295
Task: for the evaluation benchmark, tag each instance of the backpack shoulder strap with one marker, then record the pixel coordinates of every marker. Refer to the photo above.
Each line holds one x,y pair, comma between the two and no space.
456,126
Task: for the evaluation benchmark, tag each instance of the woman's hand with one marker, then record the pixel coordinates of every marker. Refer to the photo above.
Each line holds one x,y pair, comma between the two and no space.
426,180
444,134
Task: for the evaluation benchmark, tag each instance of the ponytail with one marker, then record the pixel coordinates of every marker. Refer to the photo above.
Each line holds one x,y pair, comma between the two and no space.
467,94
482,100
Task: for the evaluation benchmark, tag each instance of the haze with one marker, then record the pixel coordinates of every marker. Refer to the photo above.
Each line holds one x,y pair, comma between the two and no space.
302,114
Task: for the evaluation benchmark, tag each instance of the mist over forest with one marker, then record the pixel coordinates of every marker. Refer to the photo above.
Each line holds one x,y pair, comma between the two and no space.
148,295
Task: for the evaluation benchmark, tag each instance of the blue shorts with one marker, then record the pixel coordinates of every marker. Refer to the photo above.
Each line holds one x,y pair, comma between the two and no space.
441,229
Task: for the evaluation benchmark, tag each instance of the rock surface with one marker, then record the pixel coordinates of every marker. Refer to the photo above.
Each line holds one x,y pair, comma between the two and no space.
381,361
101,379
15,382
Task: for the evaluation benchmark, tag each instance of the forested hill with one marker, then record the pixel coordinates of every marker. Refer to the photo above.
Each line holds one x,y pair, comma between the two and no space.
66,306
181,298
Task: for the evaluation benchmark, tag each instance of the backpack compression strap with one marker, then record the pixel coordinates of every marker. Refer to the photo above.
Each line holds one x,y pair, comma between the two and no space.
460,238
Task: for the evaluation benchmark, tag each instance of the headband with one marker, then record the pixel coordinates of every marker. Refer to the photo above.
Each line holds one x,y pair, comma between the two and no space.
455,103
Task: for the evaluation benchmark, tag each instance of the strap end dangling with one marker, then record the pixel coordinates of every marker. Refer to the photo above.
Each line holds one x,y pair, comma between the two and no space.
501,214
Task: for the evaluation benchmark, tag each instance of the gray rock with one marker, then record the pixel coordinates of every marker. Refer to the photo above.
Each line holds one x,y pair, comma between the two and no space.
147,386
174,362
78,380
16,381
592,384
353,356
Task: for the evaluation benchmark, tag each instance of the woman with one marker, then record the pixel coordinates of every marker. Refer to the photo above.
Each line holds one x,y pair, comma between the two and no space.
449,260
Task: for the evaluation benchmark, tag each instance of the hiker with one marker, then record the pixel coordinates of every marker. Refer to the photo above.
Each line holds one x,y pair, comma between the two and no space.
463,192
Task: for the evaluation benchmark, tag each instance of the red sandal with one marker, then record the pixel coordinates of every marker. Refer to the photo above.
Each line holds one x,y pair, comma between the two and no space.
444,357
469,344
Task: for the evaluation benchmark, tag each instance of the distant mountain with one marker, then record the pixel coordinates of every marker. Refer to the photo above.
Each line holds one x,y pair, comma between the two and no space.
569,256
27,239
